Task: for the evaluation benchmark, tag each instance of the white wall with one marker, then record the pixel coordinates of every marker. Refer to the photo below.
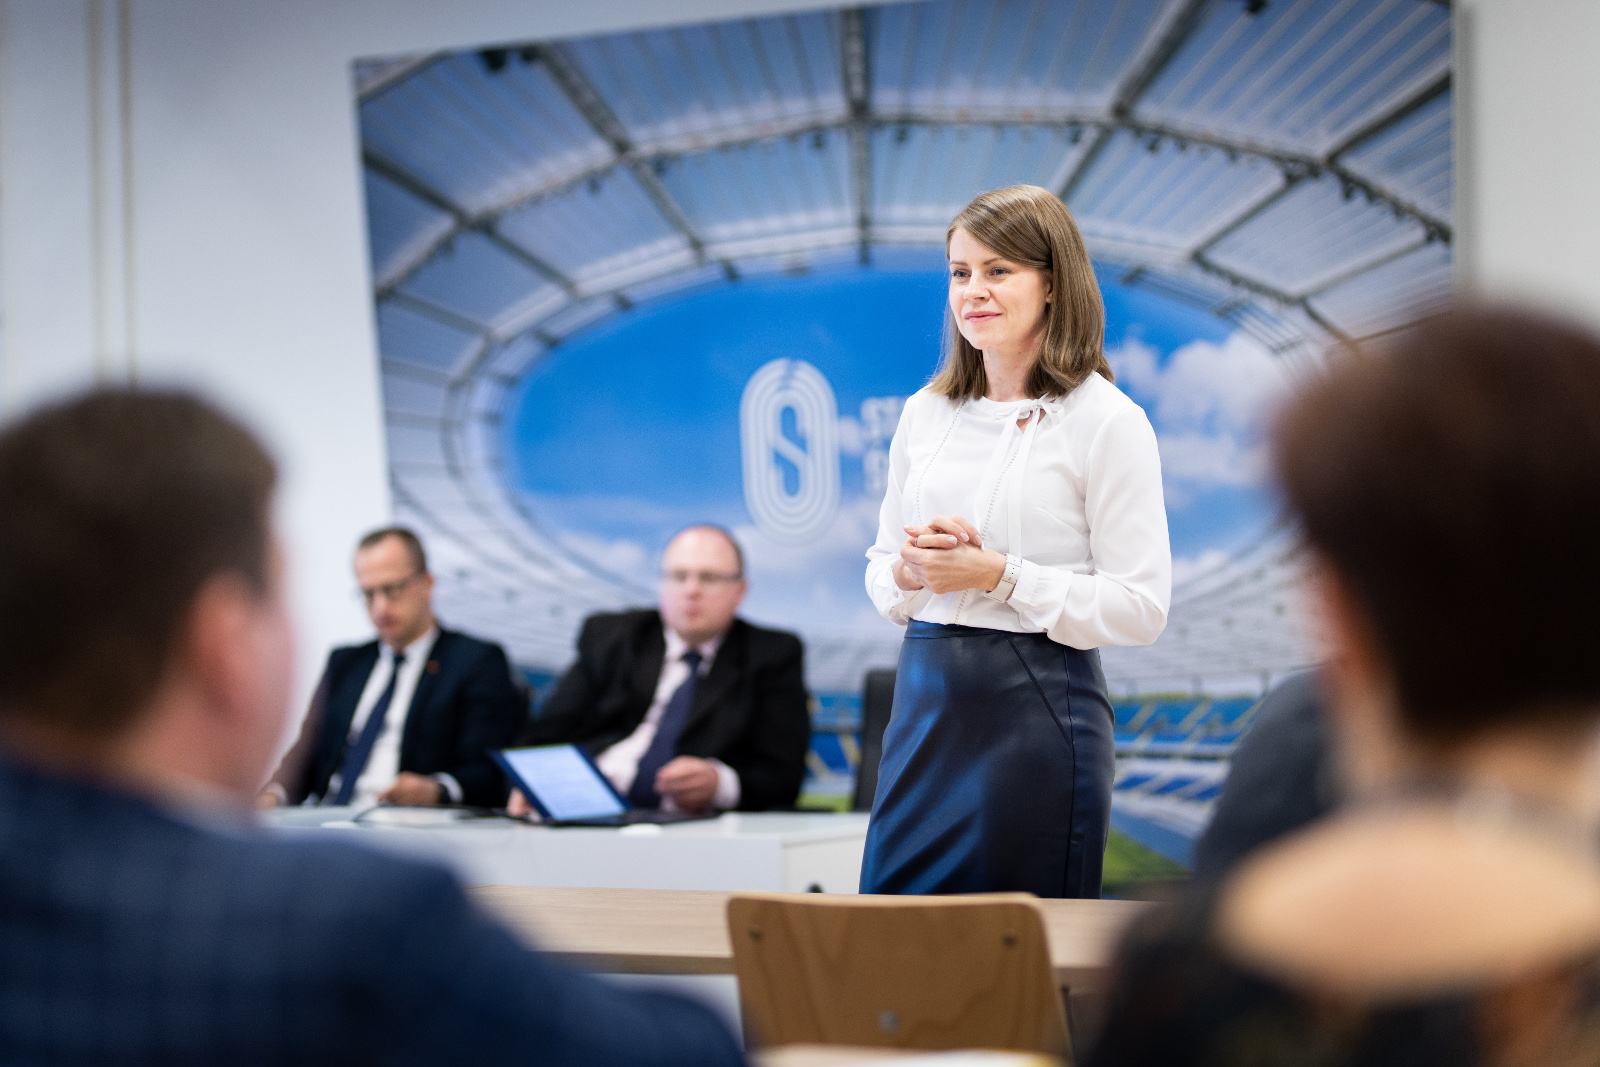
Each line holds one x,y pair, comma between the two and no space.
1528,150
47,274
242,265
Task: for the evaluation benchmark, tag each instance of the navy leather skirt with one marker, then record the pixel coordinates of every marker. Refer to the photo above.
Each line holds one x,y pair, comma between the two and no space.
997,767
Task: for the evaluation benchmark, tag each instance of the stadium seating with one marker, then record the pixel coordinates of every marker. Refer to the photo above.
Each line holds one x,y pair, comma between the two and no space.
1172,761
1164,802
1189,726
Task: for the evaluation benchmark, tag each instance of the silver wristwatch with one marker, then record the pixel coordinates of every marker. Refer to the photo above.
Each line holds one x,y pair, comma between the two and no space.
1008,580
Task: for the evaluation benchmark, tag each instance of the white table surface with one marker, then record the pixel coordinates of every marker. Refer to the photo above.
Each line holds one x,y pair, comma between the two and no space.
793,851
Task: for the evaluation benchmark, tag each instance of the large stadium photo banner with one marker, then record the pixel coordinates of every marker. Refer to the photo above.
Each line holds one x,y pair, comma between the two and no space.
690,273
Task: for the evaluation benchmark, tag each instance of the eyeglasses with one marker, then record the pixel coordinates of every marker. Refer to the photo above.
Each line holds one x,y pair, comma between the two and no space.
388,590
710,579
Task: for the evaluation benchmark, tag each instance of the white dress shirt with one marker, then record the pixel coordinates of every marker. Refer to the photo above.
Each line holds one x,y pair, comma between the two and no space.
383,763
620,762
1076,494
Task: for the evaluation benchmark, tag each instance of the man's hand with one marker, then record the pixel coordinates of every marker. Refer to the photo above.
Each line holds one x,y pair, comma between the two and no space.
267,798
413,791
518,804
690,781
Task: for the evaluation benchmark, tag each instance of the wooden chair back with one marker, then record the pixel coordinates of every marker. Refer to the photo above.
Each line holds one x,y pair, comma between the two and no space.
904,972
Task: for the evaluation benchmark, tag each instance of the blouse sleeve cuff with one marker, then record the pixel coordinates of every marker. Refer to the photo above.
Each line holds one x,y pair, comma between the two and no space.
904,603
1024,597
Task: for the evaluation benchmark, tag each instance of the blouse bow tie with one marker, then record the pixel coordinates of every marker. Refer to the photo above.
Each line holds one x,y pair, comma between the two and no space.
1013,474
1026,409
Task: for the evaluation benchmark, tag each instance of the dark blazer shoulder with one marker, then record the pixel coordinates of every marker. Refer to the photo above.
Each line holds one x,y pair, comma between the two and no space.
605,635
281,935
608,623
104,818
345,654
1279,779
767,643
452,641
456,643
345,664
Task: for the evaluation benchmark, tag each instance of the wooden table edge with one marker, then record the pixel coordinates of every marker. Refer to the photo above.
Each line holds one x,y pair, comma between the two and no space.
1076,977
640,963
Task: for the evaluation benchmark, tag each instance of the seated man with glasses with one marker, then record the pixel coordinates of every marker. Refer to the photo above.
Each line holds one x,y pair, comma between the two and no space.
686,707
409,718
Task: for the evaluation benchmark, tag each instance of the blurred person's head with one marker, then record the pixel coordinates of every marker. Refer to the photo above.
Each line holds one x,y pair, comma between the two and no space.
702,582
1020,277
1449,488
143,630
392,574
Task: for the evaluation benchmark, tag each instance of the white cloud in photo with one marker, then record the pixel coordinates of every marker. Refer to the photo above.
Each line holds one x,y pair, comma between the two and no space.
1193,460
854,527
1209,404
1232,383
561,510
623,557
852,438
1185,568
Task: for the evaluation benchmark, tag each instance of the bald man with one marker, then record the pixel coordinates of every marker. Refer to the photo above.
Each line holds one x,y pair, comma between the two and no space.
687,707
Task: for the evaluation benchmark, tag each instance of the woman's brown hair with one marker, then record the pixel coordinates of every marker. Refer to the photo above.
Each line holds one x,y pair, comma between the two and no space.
1031,226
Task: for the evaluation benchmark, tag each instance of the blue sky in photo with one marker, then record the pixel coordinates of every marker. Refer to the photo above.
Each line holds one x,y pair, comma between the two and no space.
666,380
631,430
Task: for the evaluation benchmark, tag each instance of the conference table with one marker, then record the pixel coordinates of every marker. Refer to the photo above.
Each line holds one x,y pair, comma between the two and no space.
685,932
646,904
651,900
774,851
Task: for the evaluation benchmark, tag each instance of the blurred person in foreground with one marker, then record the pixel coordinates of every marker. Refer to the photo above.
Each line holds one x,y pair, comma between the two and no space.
144,673
686,707
1449,912
410,717
1279,778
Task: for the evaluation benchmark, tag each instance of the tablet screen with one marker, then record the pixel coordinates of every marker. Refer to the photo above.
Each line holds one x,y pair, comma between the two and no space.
566,785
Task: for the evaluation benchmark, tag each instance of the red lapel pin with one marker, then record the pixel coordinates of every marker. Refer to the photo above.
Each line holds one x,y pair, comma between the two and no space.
433,666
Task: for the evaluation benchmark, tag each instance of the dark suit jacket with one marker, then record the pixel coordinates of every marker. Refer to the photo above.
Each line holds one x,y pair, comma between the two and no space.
1279,779
128,935
749,711
465,704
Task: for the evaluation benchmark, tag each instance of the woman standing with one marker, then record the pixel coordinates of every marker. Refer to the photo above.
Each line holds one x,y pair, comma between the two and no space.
1023,528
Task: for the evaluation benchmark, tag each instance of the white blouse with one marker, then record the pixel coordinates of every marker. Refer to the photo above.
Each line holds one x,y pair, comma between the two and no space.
1076,494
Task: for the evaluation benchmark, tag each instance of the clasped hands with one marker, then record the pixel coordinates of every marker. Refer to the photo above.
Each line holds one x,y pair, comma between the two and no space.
947,556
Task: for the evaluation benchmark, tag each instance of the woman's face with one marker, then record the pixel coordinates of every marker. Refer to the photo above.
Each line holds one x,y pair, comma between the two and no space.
999,304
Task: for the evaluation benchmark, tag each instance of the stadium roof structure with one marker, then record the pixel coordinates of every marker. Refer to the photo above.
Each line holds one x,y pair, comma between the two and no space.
1284,165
